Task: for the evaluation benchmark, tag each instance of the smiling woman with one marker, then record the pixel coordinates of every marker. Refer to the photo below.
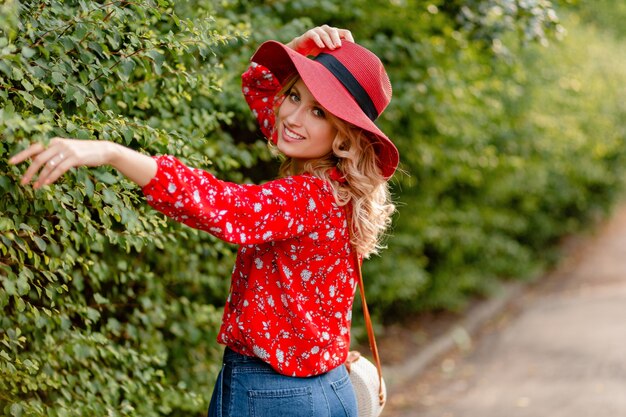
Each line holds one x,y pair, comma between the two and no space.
302,237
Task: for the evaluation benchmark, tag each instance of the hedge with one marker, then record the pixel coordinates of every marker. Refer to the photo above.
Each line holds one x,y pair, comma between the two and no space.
507,154
110,309
106,312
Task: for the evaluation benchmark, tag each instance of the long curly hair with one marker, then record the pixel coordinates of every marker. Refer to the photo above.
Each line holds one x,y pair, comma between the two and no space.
363,189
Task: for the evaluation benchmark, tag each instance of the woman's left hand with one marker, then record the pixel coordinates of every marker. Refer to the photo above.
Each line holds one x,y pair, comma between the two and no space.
313,41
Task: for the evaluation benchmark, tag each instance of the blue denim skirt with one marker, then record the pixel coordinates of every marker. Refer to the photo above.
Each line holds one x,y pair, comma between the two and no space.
248,387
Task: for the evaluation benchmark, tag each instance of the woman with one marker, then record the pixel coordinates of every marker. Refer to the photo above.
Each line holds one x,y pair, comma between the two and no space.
287,317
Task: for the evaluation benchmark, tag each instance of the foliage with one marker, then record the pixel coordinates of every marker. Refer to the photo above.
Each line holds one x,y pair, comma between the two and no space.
109,309
604,15
506,154
97,321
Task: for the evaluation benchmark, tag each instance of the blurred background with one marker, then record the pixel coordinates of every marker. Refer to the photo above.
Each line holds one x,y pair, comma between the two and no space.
509,117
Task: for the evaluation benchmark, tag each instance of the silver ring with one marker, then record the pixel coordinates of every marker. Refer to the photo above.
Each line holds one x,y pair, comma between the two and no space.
51,161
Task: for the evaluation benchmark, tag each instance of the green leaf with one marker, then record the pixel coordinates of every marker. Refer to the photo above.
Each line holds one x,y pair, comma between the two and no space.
89,188
91,107
97,89
5,67
23,287
100,299
79,98
157,59
27,228
17,410
19,304
27,85
109,196
97,48
92,314
127,66
105,177
6,224
28,52
41,244
128,134
37,102
17,74
57,77
9,287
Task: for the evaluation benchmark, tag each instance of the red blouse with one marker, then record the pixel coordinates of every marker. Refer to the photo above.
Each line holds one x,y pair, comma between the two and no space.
292,287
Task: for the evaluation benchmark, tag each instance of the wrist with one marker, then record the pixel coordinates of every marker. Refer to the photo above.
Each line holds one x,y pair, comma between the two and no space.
292,44
113,153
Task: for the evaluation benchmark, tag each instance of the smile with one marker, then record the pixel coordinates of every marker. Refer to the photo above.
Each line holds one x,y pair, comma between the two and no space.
290,134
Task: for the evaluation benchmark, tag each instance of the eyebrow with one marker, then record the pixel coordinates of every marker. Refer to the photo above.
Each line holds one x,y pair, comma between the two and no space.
315,102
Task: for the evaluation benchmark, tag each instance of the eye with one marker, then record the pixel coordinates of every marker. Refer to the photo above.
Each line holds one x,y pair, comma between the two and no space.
318,112
294,97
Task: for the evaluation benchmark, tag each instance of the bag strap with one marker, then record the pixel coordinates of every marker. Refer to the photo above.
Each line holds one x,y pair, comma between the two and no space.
370,330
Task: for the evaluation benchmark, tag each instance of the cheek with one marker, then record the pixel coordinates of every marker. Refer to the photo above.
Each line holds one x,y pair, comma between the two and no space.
284,109
327,135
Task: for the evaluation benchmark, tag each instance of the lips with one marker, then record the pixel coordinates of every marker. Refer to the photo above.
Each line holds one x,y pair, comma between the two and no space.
290,135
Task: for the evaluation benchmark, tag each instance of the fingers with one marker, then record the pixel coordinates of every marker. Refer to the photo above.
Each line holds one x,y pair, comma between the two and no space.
40,155
52,162
53,174
56,166
345,34
319,38
330,37
26,153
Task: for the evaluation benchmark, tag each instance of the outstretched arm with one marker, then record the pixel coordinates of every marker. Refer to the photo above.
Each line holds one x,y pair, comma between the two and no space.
63,154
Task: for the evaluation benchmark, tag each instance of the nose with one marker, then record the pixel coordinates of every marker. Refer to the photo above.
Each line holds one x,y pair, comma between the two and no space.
295,116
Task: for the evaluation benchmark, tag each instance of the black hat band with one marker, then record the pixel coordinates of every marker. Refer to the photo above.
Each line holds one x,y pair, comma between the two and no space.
345,77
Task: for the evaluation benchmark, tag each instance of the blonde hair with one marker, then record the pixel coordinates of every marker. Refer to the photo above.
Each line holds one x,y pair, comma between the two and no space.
364,190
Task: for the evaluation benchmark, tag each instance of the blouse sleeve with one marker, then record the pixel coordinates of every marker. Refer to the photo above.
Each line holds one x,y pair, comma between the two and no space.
236,213
259,88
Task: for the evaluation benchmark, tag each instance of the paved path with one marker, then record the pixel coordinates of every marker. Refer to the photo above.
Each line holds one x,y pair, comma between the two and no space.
558,351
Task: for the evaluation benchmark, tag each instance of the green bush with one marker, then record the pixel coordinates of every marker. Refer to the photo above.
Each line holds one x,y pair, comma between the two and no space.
109,309
96,319
507,153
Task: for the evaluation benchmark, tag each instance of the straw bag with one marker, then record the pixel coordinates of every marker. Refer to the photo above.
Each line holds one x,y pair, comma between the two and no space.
367,378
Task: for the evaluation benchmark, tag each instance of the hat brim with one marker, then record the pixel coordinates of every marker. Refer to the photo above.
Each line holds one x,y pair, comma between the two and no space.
283,61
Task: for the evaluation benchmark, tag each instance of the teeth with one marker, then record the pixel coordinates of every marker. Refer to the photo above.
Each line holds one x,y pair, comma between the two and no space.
293,135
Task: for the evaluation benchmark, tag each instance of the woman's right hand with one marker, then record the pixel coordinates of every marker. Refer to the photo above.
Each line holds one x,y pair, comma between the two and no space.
313,41
63,154
59,156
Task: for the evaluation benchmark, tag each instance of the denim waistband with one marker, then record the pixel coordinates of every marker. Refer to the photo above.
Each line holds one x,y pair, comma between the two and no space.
248,386
230,356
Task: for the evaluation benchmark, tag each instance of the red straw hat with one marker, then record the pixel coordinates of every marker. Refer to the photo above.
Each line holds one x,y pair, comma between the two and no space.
350,82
